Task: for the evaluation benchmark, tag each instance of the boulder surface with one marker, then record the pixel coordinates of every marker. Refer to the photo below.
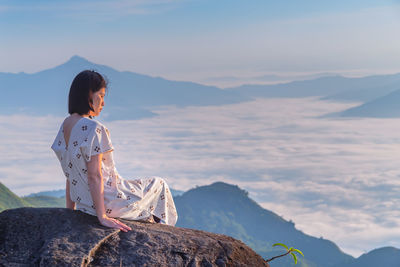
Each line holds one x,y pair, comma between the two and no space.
64,237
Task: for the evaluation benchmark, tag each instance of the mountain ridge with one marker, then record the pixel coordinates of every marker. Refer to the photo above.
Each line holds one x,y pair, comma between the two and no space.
224,208
134,94
383,107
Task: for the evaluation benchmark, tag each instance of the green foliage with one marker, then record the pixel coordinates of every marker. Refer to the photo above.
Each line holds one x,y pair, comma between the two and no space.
46,201
290,251
9,200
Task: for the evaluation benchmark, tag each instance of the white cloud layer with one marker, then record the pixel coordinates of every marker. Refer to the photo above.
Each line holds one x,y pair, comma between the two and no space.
336,178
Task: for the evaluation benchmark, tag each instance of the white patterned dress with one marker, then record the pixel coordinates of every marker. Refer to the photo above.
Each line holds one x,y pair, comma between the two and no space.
136,199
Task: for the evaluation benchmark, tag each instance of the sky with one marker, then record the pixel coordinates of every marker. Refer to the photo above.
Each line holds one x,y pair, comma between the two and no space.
204,41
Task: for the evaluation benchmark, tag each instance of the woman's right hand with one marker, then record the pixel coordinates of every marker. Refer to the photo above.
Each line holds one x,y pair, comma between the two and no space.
114,223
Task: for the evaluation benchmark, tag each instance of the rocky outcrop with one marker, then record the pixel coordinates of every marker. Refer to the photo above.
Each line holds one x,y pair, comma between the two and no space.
62,237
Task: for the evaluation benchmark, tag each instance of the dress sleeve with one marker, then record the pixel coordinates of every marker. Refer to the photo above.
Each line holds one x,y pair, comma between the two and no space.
98,141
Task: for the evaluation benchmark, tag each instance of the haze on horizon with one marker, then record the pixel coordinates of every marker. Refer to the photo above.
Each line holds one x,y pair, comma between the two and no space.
221,43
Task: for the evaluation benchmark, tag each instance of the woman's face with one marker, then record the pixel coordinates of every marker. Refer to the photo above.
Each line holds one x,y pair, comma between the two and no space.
98,101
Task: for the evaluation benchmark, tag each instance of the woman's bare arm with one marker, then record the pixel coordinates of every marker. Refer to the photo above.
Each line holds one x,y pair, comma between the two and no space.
68,202
96,186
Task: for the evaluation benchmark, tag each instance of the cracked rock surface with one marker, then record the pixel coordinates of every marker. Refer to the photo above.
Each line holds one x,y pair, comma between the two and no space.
63,237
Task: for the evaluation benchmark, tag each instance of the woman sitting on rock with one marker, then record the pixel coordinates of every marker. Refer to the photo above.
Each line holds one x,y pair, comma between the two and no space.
93,185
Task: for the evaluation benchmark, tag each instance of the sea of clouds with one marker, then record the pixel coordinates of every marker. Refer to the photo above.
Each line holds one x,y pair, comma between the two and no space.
335,178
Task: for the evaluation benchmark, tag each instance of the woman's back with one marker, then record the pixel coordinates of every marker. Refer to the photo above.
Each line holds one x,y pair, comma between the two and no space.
67,126
85,138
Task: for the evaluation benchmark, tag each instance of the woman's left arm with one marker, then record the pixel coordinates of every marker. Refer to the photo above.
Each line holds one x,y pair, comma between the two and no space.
68,202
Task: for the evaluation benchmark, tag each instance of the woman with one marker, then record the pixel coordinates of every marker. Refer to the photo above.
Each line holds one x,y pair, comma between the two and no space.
93,185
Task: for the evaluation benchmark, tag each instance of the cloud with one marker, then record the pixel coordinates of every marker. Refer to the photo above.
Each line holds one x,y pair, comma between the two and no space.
336,178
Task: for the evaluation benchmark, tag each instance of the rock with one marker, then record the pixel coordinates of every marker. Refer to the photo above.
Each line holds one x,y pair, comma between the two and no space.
63,237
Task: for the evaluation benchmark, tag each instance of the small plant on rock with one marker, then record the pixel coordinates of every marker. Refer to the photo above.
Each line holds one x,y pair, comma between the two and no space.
290,251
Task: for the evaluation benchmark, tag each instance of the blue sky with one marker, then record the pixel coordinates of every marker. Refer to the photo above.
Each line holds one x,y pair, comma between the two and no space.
198,39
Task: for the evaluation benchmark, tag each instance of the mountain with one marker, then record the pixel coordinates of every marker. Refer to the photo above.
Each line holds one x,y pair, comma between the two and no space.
367,88
130,94
176,193
45,201
267,78
52,193
382,257
227,209
382,107
380,92
328,88
318,87
9,200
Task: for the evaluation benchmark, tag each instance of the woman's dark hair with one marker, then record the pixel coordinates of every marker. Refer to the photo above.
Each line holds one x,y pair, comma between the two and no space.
85,81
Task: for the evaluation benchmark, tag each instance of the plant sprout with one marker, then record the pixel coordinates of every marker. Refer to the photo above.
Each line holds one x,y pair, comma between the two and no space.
290,251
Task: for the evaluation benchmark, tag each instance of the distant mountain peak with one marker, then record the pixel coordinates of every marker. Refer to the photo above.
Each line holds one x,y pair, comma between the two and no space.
76,63
383,251
221,188
223,185
78,59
